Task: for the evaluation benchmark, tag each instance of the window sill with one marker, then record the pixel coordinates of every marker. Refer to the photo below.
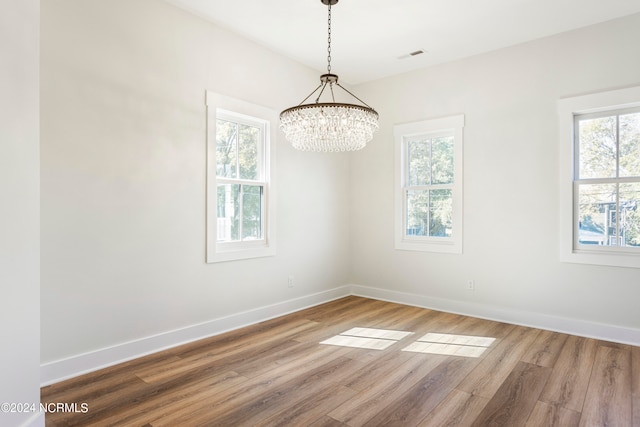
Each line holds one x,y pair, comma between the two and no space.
606,258
240,252
446,246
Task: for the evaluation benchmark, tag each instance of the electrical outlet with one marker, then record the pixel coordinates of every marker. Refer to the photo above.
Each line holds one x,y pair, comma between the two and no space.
471,285
290,282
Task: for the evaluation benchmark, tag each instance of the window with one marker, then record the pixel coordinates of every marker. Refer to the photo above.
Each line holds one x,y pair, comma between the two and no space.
240,220
600,169
429,185
240,178
607,179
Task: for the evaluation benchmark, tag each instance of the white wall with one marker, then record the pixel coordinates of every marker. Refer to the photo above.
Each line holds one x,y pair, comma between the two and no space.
123,180
123,177
510,184
19,210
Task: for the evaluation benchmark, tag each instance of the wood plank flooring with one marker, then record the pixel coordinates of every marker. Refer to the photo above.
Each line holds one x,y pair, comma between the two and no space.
276,373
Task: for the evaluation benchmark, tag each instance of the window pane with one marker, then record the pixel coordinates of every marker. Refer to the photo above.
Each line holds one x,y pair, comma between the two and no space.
597,214
629,218
417,212
226,148
597,148
630,145
419,164
252,212
441,213
442,160
248,151
228,210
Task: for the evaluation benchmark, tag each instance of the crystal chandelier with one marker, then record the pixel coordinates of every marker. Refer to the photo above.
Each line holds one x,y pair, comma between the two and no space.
329,126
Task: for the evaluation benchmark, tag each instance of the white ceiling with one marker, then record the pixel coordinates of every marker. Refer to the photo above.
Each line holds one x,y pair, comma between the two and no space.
371,37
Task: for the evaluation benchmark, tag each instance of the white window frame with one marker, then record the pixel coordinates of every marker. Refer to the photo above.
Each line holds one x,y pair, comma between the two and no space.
227,108
452,125
568,109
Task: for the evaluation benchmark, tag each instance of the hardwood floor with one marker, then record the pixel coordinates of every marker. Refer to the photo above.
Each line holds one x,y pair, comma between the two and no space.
276,373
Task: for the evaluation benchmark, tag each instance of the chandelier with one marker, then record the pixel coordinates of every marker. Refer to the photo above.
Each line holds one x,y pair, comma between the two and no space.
329,126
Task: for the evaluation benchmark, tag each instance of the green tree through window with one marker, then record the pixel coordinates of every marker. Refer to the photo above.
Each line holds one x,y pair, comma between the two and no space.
607,178
429,198
240,192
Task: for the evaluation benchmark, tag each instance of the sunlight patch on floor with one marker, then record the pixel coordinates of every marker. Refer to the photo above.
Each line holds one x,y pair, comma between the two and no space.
373,339
452,345
386,334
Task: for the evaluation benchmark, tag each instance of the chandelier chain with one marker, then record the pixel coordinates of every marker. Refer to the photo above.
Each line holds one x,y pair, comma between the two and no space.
329,42
329,126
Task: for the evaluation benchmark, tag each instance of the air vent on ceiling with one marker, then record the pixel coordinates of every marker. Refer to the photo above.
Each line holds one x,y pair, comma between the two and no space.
411,54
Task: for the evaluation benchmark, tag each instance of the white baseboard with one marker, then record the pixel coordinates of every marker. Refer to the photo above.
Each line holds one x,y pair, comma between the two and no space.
59,370
577,327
